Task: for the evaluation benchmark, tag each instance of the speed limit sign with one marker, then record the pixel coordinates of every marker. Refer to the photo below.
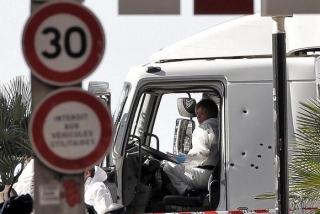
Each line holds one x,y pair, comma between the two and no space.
63,42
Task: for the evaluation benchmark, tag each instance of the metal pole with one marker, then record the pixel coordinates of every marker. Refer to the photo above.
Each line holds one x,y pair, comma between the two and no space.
53,191
280,110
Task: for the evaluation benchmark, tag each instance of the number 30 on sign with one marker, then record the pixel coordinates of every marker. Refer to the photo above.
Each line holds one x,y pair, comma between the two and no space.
63,42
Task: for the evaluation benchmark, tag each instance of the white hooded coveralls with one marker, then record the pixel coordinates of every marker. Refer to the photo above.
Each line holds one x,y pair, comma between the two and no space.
96,193
204,152
25,184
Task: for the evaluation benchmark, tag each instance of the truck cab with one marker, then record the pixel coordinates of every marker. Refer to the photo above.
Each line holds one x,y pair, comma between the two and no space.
155,118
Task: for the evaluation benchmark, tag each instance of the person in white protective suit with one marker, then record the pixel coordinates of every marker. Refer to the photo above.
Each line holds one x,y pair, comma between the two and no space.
96,193
203,157
25,183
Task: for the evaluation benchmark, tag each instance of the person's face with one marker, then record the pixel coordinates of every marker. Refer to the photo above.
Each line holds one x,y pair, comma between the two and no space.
202,114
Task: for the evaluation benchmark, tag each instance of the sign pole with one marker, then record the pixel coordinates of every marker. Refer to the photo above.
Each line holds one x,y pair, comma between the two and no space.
280,112
48,182
279,10
59,191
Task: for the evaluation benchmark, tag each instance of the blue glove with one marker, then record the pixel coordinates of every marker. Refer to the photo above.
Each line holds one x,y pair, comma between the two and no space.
181,158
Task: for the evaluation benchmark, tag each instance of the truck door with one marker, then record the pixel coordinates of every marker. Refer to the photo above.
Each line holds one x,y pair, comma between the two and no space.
150,140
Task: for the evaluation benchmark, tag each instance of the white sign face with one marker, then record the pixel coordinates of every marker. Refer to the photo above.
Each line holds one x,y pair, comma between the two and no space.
69,127
71,130
63,42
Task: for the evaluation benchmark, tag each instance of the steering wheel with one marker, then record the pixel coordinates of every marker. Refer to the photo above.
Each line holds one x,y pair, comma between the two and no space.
157,154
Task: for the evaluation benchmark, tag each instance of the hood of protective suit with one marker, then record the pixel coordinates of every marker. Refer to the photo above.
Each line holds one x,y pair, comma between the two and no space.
99,176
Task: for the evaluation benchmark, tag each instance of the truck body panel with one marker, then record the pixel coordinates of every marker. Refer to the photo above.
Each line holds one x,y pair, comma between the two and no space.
246,115
245,36
234,70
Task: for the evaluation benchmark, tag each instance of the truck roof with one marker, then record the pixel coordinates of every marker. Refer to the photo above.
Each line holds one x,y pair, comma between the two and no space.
245,36
234,70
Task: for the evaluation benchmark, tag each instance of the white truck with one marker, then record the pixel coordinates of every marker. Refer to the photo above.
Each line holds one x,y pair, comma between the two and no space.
232,64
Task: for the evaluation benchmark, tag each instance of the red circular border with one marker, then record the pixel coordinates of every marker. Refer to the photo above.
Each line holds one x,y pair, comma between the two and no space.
37,133
73,76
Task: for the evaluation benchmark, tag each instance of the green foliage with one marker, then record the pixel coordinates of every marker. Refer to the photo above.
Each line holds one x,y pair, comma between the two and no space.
304,164
304,167
15,111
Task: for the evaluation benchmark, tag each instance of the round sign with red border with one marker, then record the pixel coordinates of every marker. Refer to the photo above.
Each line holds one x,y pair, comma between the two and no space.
71,130
63,42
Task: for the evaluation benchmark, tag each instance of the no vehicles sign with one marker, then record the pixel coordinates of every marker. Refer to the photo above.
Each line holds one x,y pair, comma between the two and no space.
63,42
71,130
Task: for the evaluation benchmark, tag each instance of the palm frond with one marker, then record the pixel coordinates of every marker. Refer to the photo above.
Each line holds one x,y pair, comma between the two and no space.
15,111
304,167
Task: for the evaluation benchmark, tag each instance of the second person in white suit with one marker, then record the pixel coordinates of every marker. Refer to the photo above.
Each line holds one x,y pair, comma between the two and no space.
203,157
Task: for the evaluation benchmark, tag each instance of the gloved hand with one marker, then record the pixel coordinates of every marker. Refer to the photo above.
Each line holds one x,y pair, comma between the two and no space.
181,158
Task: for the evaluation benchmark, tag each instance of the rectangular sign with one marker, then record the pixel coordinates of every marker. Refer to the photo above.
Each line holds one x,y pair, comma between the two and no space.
289,7
49,194
205,7
165,7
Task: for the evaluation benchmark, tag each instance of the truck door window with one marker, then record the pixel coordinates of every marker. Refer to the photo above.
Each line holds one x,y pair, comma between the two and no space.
165,122
142,116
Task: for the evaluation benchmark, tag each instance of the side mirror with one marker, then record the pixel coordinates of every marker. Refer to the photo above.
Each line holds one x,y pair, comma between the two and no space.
186,107
182,141
101,90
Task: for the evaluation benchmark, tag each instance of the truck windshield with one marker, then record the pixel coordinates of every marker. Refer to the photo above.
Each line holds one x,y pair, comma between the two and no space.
120,105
